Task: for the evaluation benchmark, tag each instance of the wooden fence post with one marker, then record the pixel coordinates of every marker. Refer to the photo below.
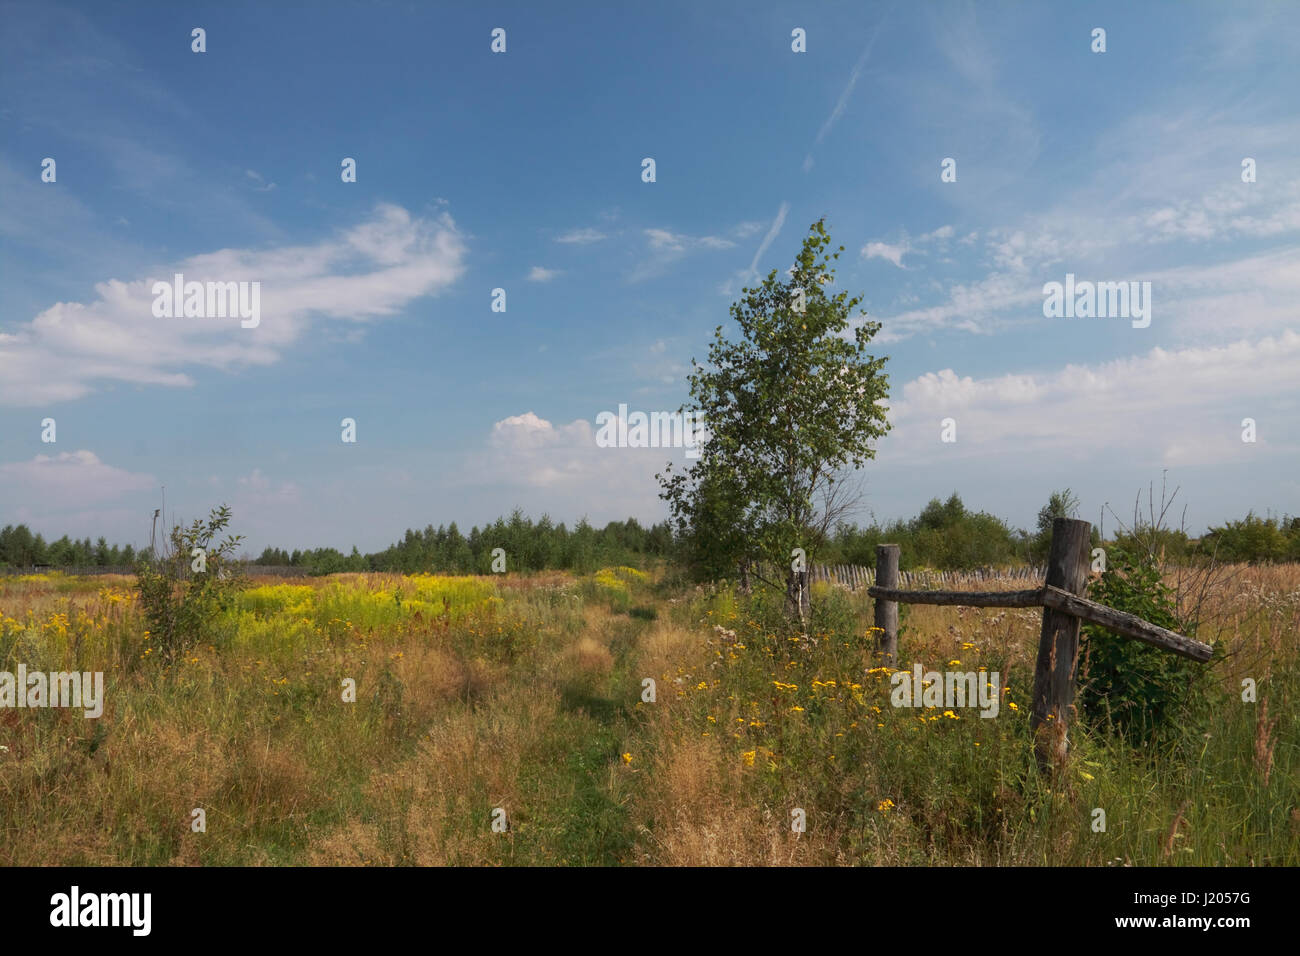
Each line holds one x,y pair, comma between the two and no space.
1058,644
887,611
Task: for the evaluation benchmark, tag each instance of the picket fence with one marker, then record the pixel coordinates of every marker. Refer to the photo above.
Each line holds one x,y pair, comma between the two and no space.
854,576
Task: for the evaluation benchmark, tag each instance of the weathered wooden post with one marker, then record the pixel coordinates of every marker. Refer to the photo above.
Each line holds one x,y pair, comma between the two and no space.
1058,645
797,598
887,611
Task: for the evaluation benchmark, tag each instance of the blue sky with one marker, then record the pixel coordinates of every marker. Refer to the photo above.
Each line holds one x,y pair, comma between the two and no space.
522,171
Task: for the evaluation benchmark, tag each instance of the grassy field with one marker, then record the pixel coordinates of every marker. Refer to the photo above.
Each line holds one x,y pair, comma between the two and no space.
525,694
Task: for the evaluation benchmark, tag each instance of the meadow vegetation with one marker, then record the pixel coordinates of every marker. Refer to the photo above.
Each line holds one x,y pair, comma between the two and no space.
525,692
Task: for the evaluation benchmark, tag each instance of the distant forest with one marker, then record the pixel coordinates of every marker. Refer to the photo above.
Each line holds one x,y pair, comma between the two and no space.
19,548
528,546
945,535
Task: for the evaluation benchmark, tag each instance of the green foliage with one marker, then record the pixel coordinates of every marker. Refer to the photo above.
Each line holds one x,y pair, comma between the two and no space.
181,598
711,540
1060,504
788,405
1141,691
1255,540
529,546
1162,544
946,535
20,549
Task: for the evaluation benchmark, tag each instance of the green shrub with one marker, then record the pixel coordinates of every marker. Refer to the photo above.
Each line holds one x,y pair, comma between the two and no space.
1254,539
184,592
1139,690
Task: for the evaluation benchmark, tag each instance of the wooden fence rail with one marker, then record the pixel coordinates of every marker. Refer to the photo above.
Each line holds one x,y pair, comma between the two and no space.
1064,608
1032,598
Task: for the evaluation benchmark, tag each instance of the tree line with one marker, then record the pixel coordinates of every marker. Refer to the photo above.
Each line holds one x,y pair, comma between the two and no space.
945,535
20,548
948,536
525,545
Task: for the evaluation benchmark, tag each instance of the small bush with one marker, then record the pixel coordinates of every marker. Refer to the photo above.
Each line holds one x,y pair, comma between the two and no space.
1138,689
184,592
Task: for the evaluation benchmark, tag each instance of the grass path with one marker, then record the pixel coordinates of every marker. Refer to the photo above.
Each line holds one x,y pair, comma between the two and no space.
546,748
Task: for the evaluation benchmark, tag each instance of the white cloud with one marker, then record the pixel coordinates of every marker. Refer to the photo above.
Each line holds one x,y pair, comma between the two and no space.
375,269
68,479
261,487
540,274
565,471
883,250
894,252
1082,232
531,451
1254,294
529,431
714,242
1146,204
582,236
1193,303
970,307
664,239
667,247
1168,407
262,185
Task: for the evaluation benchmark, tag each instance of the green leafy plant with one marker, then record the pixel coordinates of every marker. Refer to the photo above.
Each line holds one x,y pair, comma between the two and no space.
184,589
1060,504
1139,690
